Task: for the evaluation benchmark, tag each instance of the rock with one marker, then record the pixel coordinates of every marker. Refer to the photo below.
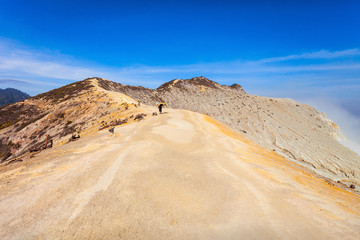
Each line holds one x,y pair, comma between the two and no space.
140,116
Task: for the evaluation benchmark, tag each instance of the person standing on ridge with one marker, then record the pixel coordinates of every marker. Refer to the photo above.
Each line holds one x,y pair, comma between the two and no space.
160,106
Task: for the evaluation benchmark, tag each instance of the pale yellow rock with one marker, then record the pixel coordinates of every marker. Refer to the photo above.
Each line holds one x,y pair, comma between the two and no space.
180,175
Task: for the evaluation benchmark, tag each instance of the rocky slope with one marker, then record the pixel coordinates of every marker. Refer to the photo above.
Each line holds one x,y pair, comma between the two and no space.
179,175
296,131
53,117
11,95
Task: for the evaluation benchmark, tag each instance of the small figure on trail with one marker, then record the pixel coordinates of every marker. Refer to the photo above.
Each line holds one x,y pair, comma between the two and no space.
111,130
160,106
74,137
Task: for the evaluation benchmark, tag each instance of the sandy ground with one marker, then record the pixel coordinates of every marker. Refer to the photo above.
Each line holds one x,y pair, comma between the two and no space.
180,175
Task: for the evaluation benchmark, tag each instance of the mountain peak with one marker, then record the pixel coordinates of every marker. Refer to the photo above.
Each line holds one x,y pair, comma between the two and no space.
200,81
236,86
68,91
203,81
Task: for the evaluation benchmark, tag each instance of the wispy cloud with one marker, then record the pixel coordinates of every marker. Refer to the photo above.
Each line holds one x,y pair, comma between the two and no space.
12,81
323,54
15,60
27,82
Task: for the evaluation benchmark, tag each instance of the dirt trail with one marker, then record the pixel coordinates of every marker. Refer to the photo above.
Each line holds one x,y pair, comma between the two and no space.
180,175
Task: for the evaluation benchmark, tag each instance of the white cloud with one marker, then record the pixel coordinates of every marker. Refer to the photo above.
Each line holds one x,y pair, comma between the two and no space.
323,54
25,82
348,122
15,60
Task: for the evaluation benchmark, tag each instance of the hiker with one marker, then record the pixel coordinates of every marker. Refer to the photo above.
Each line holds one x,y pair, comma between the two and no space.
160,106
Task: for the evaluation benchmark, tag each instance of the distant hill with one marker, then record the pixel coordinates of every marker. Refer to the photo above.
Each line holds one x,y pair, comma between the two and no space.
11,95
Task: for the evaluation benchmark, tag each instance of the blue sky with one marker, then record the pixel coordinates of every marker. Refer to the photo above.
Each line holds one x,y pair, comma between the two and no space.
306,50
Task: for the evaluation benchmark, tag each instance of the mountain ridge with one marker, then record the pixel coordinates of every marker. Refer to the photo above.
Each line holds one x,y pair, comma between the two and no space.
295,131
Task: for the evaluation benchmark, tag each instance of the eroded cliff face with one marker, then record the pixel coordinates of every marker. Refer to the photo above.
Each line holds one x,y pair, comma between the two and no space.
296,131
